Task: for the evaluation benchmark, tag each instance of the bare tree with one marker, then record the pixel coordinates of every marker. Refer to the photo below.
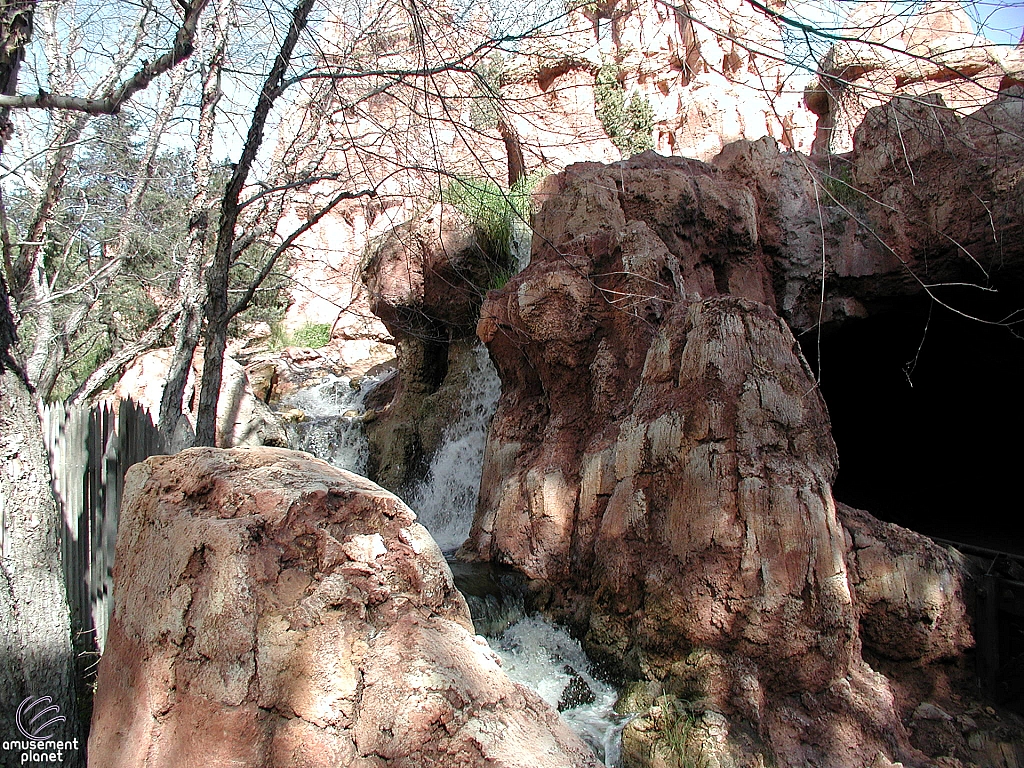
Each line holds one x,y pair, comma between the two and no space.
35,626
35,635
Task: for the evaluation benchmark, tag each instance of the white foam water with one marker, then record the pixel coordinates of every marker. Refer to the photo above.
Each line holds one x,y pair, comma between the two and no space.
534,652
546,659
333,429
445,501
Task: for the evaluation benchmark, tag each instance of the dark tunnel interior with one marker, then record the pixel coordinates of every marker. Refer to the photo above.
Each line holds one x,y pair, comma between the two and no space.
927,411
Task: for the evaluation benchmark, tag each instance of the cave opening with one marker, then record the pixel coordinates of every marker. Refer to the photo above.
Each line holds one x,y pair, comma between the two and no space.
927,412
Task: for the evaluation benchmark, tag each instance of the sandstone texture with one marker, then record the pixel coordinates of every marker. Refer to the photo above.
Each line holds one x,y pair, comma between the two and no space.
713,73
428,276
274,611
426,280
926,204
888,52
708,73
690,533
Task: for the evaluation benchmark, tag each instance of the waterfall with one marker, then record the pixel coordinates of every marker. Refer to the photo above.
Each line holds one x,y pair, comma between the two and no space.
534,652
445,501
546,659
333,429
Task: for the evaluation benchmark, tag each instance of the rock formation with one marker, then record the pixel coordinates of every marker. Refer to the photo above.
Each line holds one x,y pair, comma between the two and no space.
515,114
426,280
713,72
242,417
274,611
691,536
888,53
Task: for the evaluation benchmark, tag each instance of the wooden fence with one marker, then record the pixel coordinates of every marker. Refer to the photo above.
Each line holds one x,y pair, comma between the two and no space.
90,450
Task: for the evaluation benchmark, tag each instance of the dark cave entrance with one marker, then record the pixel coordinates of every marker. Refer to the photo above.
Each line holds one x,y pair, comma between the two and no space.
927,411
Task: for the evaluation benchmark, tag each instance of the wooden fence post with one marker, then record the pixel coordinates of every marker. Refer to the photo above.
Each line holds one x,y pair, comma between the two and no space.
90,450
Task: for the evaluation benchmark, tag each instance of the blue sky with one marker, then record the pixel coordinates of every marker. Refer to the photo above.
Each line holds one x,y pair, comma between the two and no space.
1000,22
997,20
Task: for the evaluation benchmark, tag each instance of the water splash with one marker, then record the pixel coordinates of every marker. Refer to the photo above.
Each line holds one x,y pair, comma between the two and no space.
545,658
522,243
445,500
333,429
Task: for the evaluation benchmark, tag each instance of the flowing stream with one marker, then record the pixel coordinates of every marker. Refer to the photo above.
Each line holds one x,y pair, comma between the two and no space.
333,428
446,498
534,652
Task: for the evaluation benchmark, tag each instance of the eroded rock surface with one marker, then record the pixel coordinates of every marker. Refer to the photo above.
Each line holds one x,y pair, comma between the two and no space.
690,533
888,52
275,611
707,73
695,539
426,281
243,418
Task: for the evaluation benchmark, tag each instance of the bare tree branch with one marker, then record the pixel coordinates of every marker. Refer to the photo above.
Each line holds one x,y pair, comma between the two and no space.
113,99
217,310
127,354
246,297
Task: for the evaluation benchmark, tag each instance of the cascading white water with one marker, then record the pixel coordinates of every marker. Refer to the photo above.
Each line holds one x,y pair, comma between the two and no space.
445,500
535,652
522,242
546,659
333,429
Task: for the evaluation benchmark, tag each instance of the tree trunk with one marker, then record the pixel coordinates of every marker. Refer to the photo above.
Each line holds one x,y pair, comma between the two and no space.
218,313
35,625
190,286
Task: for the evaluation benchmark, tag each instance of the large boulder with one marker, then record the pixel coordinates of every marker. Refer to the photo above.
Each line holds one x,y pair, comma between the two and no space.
695,542
274,611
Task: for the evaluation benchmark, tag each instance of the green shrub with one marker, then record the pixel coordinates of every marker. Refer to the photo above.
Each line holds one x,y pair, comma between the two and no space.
838,187
629,124
493,212
677,723
314,335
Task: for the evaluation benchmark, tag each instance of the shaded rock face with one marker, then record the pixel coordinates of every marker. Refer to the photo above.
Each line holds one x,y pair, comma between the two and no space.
926,198
275,611
409,425
660,464
428,274
908,593
426,281
243,418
